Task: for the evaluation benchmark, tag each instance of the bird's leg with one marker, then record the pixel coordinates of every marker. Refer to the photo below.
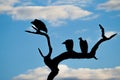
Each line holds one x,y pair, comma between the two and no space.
34,28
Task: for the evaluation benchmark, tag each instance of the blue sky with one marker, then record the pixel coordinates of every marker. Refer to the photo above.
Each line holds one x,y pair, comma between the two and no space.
65,19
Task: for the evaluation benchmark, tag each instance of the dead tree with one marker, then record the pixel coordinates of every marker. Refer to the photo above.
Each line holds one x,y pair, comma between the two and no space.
53,63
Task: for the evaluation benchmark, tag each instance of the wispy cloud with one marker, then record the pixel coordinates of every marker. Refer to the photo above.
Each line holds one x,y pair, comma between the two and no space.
91,17
81,3
69,73
110,5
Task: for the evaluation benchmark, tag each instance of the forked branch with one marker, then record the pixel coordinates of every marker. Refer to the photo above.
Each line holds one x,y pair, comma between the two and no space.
104,38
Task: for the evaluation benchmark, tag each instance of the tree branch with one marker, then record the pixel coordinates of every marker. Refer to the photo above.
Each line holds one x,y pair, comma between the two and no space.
104,38
41,53
76,55
48,41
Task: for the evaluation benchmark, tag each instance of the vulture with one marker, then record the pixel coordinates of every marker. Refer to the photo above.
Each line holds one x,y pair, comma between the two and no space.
39,25
83,45
69,44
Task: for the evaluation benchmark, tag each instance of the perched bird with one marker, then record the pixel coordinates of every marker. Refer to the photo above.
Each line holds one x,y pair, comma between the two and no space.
39,25
69,44
83,45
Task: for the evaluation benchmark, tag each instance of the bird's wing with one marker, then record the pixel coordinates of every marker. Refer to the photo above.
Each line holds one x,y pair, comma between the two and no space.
83,46
41,26
86,46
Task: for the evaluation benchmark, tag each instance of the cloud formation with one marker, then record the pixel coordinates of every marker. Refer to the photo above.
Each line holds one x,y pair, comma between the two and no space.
55,14
67,73
50,13
110,5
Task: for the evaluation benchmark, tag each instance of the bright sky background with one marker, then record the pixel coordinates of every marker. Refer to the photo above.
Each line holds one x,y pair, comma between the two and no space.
65,19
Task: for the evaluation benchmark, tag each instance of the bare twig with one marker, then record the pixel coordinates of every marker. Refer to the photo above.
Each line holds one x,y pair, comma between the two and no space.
30,32
102,30
41,53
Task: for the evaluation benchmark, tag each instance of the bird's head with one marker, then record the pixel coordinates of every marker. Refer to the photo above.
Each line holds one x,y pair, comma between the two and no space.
68,41
36,23
80,38
69,44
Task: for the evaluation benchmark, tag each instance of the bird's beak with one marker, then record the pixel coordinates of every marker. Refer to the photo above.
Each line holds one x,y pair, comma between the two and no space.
32,22
79,38
64,42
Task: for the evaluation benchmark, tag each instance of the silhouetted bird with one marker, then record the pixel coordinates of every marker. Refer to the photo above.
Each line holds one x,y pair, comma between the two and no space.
83,45
39,25
69,44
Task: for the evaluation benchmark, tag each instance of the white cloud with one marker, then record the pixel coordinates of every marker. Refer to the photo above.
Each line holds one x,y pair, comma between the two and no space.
51,13
7,5
39,73
110,5
8,2
67,73
55,14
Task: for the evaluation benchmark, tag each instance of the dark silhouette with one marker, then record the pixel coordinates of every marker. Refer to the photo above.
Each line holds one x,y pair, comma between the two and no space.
51,64
69,45
39,25
83,45
69,54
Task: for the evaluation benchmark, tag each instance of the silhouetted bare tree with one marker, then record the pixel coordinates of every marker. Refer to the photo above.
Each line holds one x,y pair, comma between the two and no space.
69,54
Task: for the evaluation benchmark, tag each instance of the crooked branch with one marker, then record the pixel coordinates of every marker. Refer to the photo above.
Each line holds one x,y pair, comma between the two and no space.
48,41
104,38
